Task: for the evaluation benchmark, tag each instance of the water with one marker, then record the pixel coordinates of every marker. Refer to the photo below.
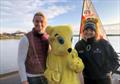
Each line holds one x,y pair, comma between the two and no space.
9,50
8,55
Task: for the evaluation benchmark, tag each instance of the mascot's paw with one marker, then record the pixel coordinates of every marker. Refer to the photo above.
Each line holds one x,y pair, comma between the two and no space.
48,75
53,77
75,63
56,76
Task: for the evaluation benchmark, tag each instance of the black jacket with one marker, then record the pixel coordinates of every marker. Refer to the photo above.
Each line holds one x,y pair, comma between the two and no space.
98,57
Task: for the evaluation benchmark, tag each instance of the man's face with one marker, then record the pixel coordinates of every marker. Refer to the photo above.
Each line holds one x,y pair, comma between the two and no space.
38,21
89,33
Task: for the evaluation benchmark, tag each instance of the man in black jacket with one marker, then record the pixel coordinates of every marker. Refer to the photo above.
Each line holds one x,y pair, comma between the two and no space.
98,56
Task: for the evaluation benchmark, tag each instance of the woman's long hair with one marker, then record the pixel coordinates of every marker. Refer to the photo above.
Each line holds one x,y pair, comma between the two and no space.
99,33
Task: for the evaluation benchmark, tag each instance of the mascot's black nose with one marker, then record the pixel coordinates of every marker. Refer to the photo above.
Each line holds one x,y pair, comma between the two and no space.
69,50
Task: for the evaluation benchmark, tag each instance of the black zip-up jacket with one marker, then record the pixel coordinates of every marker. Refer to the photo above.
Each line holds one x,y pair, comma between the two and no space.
98,57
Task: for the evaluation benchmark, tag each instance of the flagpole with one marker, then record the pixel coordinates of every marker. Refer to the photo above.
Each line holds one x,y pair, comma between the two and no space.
81,17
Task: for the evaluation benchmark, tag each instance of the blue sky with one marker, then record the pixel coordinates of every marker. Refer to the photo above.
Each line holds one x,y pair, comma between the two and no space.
18,14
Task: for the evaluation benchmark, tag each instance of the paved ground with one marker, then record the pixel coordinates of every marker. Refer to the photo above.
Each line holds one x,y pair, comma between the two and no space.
12,79
15,79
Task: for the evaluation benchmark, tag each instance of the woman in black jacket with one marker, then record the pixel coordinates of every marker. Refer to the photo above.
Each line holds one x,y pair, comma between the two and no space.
98,56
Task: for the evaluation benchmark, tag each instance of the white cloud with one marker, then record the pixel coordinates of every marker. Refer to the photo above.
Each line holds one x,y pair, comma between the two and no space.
54,11
21,12
22,8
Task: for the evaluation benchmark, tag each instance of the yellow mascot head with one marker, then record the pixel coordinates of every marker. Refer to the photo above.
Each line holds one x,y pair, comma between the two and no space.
60,39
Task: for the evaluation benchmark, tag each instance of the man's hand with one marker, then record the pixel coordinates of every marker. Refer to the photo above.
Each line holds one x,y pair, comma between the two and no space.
25,82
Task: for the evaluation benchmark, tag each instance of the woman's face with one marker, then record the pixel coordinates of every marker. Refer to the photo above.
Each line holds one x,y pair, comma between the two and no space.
88,33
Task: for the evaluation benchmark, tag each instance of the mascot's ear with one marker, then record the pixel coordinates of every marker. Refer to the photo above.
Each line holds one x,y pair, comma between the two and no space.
49,29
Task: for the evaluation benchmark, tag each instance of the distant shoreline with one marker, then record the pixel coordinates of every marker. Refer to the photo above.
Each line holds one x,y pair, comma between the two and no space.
16,35
10,37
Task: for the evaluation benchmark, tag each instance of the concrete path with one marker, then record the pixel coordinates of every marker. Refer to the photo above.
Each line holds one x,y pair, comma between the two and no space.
15,79
12,79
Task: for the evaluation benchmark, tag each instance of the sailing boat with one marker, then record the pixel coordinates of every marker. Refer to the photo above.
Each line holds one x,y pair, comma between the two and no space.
88,11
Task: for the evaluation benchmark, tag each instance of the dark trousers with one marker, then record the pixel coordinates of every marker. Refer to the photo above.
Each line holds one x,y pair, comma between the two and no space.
98,81
37,80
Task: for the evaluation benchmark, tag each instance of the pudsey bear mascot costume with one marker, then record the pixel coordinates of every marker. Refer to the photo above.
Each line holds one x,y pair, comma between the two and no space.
63,65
